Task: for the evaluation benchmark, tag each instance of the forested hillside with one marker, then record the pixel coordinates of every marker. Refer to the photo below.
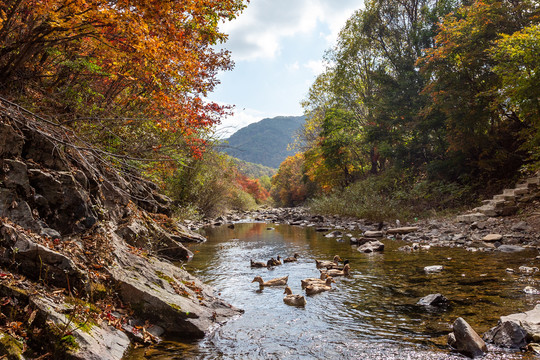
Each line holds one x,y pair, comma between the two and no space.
425,105
265,142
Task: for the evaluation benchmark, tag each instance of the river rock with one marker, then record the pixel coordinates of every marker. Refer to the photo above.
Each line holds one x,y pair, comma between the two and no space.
513,330
433,269
335,233
468,342
527,270
531,291
373,234
433,300
402,230
510,248
520,227
371,246
492,237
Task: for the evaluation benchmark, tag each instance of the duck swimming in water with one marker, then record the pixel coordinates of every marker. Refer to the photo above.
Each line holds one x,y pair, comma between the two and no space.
314,281
337,266
315,289
274,282
273,262
335,272
257,264
293,299
291,258
325,263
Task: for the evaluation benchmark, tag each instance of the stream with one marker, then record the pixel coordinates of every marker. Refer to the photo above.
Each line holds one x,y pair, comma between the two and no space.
372,314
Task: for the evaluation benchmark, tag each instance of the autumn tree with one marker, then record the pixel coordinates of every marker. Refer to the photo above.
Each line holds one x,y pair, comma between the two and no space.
464,86
289,186
118,70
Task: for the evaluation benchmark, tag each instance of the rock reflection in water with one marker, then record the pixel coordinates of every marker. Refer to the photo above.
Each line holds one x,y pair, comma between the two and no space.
371,314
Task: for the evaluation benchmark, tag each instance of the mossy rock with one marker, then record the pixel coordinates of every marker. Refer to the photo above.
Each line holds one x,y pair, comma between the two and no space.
11,347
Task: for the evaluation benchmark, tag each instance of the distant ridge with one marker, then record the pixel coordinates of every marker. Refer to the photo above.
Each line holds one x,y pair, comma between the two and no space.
265,142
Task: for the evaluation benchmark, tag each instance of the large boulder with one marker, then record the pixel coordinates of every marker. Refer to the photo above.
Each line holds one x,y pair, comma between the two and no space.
371,246
165,294
36,261
467,341
513,331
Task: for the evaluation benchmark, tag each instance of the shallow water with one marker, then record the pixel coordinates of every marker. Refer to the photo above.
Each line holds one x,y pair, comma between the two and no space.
371,314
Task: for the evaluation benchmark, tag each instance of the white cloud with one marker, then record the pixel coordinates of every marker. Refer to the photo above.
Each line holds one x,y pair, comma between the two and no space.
241,118
293,67
258,31
316,66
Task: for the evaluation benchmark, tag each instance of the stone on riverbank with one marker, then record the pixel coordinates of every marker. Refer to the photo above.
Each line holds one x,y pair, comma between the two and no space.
373,234
514,330
492,237
402,230
371,246
433,300
467,341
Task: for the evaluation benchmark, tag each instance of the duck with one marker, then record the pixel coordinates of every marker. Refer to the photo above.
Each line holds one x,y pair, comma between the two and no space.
337,266
274,282
314,281
257,264
273,262
293,299
291,258
325,263
315,289
335,272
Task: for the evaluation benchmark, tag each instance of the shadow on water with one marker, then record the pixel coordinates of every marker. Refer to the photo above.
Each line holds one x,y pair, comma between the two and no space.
371,314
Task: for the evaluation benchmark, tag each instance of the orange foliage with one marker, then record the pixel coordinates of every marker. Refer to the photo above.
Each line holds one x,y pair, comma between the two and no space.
154,58
288,185
252,187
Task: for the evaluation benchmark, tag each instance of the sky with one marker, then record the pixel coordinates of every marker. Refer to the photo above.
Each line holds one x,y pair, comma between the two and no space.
278,48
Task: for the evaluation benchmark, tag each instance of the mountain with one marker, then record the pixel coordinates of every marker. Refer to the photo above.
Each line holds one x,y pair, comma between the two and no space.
265,142
252,170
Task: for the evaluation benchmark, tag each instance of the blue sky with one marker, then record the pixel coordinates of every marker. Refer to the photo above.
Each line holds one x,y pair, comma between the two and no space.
278,48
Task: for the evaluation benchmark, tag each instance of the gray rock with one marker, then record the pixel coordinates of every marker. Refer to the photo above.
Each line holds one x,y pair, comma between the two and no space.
507,334
470,218
510,248
451,340
16,176
530,290
373,234
334,233
521,226
371,246
37,261
96,342
159,291
512,331
433,269
527,270
403,230
433,300
468,342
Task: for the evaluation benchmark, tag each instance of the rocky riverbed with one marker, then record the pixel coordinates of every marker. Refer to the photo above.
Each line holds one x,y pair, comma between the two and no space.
505,234
510,232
